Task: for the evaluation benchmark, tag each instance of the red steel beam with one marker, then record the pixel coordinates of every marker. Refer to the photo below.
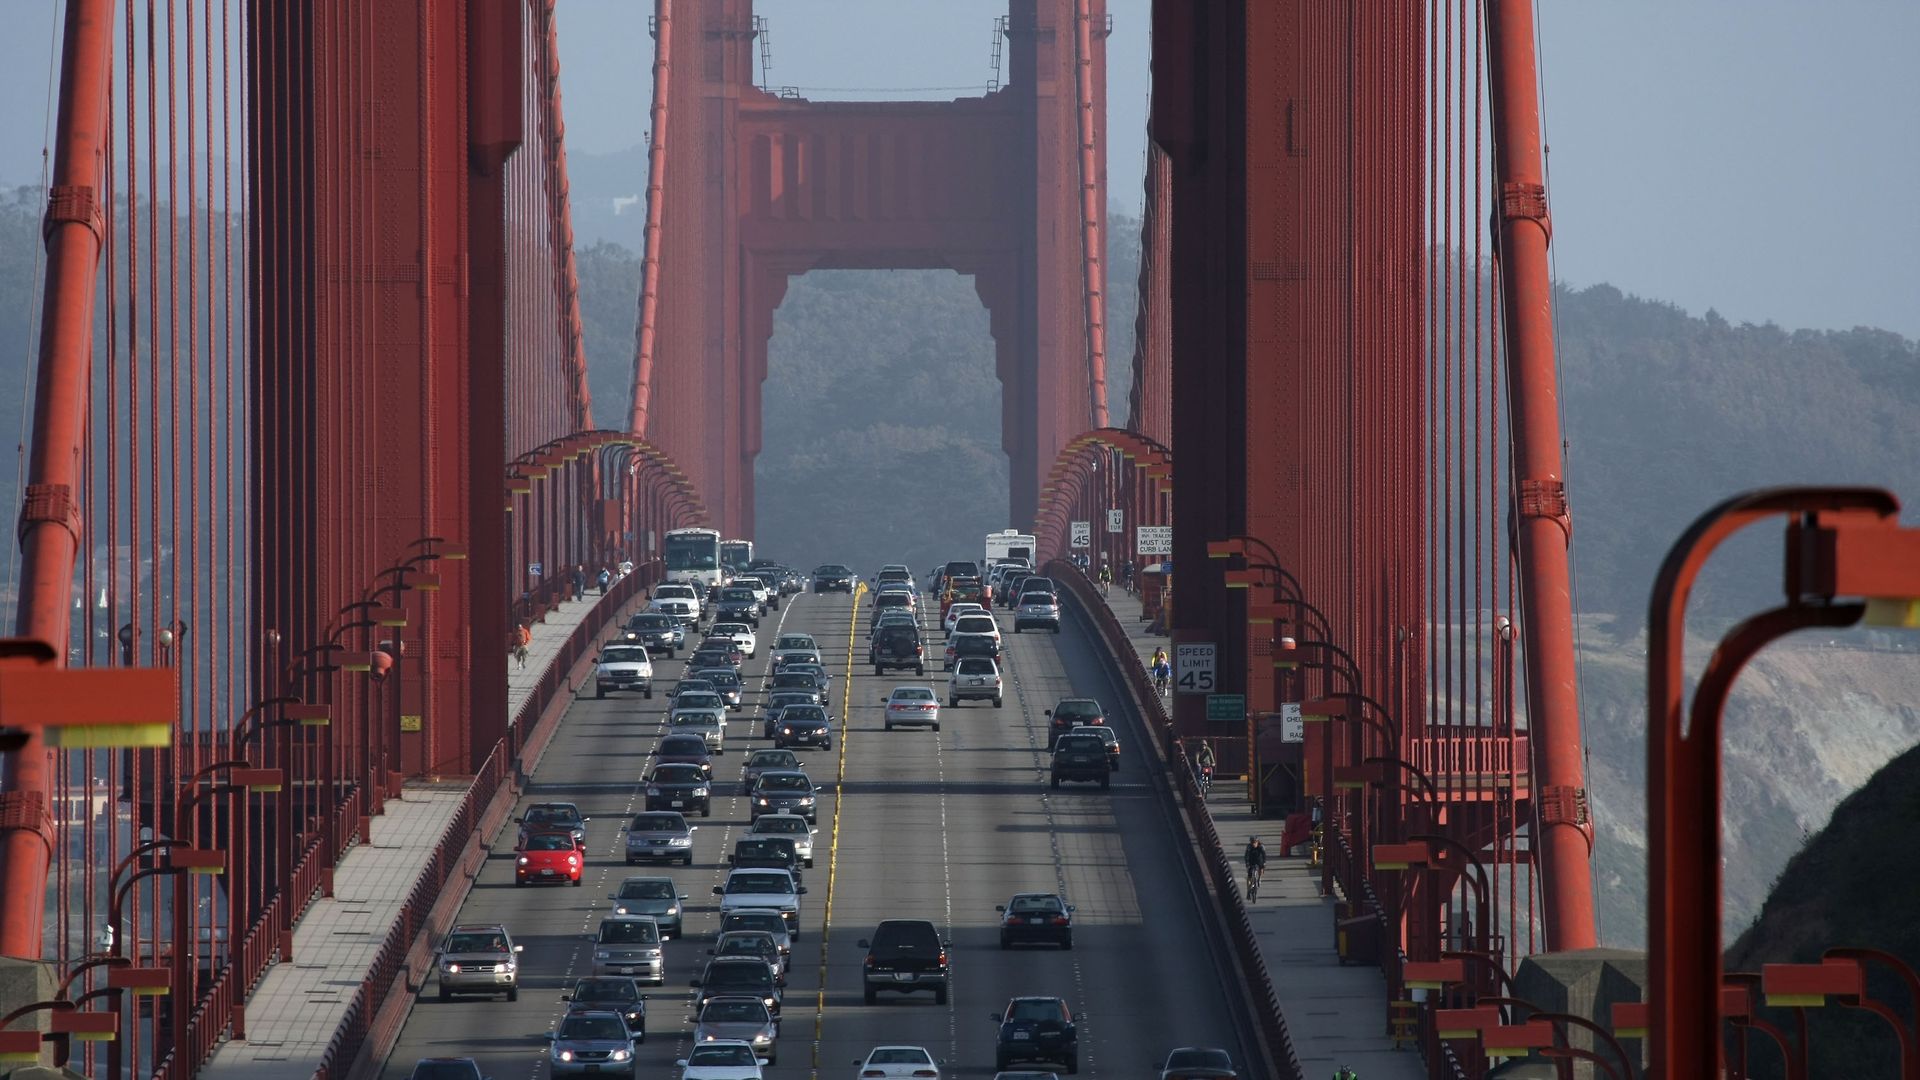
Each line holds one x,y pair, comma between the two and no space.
49,523
1542,525
645,334
1092,210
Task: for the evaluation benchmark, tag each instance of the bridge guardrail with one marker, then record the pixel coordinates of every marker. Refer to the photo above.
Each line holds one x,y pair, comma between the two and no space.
1209,855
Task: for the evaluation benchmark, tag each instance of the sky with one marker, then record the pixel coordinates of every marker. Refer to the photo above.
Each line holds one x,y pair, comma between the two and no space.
1751,156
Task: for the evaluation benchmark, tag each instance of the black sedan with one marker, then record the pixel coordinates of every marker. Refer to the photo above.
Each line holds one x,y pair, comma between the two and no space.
777,702
684,749
832,578
803,725
1036,918
680,787
1036,1029
611,993
656,631
784,792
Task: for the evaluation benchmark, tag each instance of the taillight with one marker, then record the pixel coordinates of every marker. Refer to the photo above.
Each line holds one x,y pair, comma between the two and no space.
1059,920
925,1072
943,958
872,1072
1013,920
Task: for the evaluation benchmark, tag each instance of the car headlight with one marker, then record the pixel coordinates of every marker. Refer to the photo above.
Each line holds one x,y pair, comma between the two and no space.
523,860
786,731
806,800
708,1037
674,910
573,860
620,909
453,969
681,841
602,955
620,1055
652,790
563,1055
768,1002
501,969
699,791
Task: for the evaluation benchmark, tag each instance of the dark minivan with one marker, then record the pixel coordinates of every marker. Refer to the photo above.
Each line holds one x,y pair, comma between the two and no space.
905,955
898,647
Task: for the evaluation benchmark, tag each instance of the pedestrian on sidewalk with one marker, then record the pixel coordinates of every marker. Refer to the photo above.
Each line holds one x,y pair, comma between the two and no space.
580,582
606,578
522,637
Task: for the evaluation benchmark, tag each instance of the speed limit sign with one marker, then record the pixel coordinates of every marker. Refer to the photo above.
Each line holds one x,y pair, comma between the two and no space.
1081,534
1193,667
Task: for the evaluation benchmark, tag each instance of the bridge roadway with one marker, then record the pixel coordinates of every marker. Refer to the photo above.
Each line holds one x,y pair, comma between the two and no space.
940,825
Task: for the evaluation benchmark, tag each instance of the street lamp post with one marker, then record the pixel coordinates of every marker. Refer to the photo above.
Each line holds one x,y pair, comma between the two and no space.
181,858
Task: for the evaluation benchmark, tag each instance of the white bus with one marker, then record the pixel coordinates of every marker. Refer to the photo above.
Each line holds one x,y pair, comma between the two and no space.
694,555
1010,545
736,554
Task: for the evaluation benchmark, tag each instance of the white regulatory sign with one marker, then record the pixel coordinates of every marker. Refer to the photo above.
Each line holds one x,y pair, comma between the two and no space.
1081,534
1292,727
1153,540
1116,521
1193,666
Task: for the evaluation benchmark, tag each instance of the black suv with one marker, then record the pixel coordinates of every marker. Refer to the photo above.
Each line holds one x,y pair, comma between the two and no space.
905,955
1072,713
738,604
765,853
750,976
897,647
656,631
1036,1029
832,578
611,993
1081,757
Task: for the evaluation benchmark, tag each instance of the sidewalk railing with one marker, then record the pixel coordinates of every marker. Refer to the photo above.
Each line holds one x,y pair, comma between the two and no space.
1263,1004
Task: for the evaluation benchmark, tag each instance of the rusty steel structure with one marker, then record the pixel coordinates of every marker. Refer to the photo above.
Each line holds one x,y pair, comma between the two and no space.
312,437
755,188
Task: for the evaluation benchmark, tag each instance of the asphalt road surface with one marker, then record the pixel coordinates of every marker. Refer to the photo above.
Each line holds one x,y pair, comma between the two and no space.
936,825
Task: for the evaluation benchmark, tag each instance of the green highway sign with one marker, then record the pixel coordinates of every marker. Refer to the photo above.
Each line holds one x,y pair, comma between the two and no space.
1229,707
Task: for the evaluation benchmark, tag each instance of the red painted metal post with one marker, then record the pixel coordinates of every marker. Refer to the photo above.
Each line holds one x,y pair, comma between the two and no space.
1542,524
50,522
656,181
1093,243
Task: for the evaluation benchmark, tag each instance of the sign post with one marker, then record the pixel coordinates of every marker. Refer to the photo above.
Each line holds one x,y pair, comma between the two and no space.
1293,727
1193,667
1116,521
1080,534
1227,708
1153,540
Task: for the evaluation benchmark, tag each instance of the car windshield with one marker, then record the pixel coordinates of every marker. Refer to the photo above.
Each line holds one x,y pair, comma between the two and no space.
778,782
552,815
629,932
1035,1009
1077,707
683,744
726,680
624,655
746,945
1199,1059
974,624
975,666
593,1028
445,1070
728,630
764,849
734,1012
792,678
553,841
688,686
899,1055
760,884
800,714
734,974
651,889
768,921
622,990
1080,742
915,693
701,700
796,641
1102,732
1035,904
650,622
477,943
720,1056
781,824
781,700
741,593
678,774
768,759
1036,598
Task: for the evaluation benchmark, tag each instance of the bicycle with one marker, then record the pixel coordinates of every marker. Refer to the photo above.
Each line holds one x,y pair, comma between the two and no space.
1161,681
1253,882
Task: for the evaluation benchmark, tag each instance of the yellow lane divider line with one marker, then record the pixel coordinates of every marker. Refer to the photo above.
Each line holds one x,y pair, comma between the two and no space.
833,846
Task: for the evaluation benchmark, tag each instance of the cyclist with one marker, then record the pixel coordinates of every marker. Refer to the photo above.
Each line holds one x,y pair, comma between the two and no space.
1256,859
1162,672
1203,766
1106,576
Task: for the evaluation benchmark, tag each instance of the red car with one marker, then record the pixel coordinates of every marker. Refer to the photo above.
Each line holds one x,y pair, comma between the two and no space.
550,857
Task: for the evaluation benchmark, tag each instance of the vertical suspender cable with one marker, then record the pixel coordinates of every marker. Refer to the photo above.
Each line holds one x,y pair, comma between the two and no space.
656,196
1092,243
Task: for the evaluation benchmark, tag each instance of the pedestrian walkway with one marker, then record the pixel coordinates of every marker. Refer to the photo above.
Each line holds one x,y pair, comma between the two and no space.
299,1006
1336,1014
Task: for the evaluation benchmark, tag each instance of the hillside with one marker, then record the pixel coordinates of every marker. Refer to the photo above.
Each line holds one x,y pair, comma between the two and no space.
1851,885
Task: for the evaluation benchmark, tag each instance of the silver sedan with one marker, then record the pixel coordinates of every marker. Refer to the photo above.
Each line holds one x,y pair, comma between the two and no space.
744,1018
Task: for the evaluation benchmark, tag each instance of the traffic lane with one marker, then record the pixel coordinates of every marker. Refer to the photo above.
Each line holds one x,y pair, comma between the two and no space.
946,826
596,759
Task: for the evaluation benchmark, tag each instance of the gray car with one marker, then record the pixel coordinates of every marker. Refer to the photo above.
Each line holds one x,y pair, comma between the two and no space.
1037,609
726,683
761,761
792,826
630,945
767,920
660,834
777,701
760,943
787,791
479,959
591,1042
654,897
744,1018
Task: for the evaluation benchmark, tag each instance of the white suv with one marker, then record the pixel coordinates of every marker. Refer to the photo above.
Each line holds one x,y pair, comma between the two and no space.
673,590
623,667
974,677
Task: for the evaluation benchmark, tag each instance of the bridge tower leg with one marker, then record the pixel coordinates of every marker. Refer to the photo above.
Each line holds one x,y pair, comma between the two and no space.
760,187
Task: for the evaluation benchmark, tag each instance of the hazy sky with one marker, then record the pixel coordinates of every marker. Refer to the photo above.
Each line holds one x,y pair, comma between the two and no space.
1755,156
